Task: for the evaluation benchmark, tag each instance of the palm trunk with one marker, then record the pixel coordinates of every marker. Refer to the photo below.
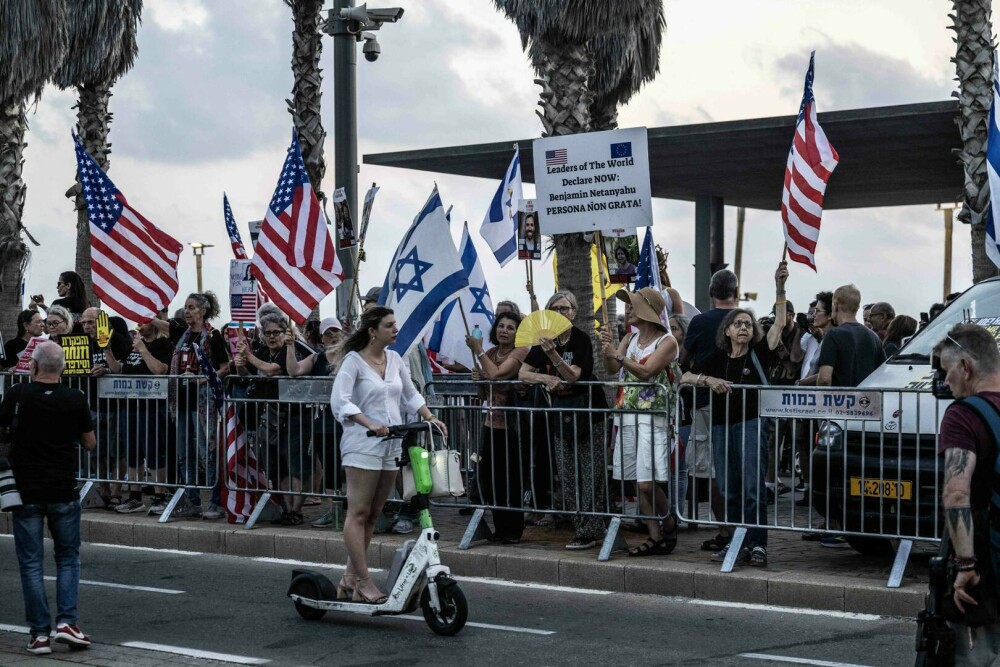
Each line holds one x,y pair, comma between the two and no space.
92,127
305,107
306,103
974,67
14,253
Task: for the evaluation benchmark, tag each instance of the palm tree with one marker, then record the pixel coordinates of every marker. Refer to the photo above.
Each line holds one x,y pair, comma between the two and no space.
307,94
33,43
974,66
584,53
307,48
102,47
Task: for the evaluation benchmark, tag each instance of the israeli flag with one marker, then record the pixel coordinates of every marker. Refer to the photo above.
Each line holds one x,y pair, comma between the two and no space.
448,335
993,171
424,275
499,228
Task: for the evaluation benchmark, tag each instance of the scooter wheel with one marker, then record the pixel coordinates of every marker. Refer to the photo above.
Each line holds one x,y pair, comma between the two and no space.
306,588
454,609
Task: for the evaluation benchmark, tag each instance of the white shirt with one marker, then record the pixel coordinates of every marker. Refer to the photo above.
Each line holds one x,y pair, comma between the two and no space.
811,348
358,389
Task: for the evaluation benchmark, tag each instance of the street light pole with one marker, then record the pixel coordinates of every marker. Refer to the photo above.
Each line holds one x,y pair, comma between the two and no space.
349,25
345,134
199,250
948,225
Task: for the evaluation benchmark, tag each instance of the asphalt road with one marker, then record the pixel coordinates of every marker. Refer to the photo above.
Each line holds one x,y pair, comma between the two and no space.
237,607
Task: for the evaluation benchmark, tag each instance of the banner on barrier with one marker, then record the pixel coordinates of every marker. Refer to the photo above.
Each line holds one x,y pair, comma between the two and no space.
312,390
137,387
831,404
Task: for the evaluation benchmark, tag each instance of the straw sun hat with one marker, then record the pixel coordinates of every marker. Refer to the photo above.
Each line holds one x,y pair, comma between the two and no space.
647,304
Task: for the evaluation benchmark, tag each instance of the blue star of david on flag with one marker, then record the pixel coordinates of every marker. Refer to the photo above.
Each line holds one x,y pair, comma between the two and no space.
479,307
415,283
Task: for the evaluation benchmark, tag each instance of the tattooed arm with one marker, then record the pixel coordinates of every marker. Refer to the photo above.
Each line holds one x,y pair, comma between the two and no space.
958,467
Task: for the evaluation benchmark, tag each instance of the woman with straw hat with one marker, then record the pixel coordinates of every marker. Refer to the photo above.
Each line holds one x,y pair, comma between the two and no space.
643,361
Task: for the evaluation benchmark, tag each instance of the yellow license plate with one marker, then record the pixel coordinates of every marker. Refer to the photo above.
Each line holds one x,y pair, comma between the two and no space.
882,488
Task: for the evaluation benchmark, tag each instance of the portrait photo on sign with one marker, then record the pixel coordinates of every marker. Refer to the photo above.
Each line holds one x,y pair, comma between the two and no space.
342,220
623,255
529,233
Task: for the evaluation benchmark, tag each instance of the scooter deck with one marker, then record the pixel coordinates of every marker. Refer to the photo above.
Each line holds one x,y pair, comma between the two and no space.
384,609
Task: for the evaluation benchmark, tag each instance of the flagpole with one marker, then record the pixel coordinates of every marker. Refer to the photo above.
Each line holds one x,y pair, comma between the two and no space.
784,252
461,309
600,273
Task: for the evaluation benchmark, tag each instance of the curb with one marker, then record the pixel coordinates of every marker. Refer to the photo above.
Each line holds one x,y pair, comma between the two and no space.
701,581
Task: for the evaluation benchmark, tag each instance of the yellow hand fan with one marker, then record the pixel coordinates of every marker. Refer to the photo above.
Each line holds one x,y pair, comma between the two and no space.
538,325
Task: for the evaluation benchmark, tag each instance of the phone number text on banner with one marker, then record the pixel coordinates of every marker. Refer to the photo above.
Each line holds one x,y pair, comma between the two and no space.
833,404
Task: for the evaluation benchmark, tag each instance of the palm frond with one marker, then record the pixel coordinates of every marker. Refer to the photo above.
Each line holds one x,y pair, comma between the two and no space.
33,43
102,42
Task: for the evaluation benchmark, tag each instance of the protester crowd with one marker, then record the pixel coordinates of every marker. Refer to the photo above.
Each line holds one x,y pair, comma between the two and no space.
574,463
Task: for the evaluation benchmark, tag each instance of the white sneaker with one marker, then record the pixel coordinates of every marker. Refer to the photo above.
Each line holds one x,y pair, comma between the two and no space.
213,512
402,526
131,506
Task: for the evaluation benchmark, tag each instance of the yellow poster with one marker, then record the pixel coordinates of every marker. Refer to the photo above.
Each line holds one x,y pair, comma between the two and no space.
77,349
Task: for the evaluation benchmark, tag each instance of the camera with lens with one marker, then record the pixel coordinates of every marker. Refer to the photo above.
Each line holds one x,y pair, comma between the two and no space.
10,499
940,390
766,323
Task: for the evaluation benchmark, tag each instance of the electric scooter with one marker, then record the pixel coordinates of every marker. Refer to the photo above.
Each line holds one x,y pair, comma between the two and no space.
417,576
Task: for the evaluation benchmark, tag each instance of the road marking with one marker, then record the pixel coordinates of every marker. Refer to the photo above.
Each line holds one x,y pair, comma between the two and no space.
801,611
108,584
526,584
488,626
195,653
20,629
473,580
174,552
798,661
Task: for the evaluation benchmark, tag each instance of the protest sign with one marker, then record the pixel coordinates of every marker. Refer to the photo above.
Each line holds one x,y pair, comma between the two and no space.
255,226
233,334
593,181
242,291
342,217
529,233
366,212
622,253
23,366
77,349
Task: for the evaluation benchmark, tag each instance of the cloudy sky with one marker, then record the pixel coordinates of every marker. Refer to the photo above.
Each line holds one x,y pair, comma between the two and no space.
203,112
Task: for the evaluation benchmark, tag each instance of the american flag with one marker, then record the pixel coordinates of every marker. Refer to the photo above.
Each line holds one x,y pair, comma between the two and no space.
811,161
294,258
555,157
134,263
243,307
234,233
242,469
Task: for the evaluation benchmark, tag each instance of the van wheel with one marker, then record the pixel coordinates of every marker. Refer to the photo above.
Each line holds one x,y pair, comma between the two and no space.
871,546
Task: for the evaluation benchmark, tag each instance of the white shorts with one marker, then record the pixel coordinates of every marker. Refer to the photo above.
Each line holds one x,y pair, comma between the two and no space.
642,449
373,461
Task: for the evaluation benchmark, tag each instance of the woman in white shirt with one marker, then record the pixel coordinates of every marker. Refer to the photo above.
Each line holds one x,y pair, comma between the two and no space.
373,391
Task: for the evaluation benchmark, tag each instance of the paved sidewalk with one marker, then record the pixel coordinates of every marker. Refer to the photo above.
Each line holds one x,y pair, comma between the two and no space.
13,654
799,573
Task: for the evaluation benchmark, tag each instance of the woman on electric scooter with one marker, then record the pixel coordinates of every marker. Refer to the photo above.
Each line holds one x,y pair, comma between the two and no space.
373,390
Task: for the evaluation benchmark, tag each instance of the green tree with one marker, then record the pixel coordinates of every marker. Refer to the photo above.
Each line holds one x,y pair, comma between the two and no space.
33,42
102,48
974,68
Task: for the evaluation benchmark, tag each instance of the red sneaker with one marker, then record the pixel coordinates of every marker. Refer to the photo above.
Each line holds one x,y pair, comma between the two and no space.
39,646
71,635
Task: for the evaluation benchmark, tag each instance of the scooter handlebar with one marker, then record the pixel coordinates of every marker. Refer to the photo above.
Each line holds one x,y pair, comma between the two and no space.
399,430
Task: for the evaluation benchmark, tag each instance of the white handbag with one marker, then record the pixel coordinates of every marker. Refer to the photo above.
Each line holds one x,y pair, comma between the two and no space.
446,475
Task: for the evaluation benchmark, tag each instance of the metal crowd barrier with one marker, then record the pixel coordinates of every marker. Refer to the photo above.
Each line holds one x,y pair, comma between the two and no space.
868,456
155,430
526,450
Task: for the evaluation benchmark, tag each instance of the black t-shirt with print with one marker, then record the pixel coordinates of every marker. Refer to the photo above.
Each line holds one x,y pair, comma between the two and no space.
161,349
120,347
578,351
50,420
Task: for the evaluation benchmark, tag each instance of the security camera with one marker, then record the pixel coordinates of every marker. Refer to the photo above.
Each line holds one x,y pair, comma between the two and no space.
385,14
372,49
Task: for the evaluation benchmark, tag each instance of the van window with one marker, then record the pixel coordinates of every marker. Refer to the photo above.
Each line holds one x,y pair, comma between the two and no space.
982,300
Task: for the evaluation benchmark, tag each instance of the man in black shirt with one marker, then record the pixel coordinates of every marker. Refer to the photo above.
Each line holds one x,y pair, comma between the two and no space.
46,420
851,351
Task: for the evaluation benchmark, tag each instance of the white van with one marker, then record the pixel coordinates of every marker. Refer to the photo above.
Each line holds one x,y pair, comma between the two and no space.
889,468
